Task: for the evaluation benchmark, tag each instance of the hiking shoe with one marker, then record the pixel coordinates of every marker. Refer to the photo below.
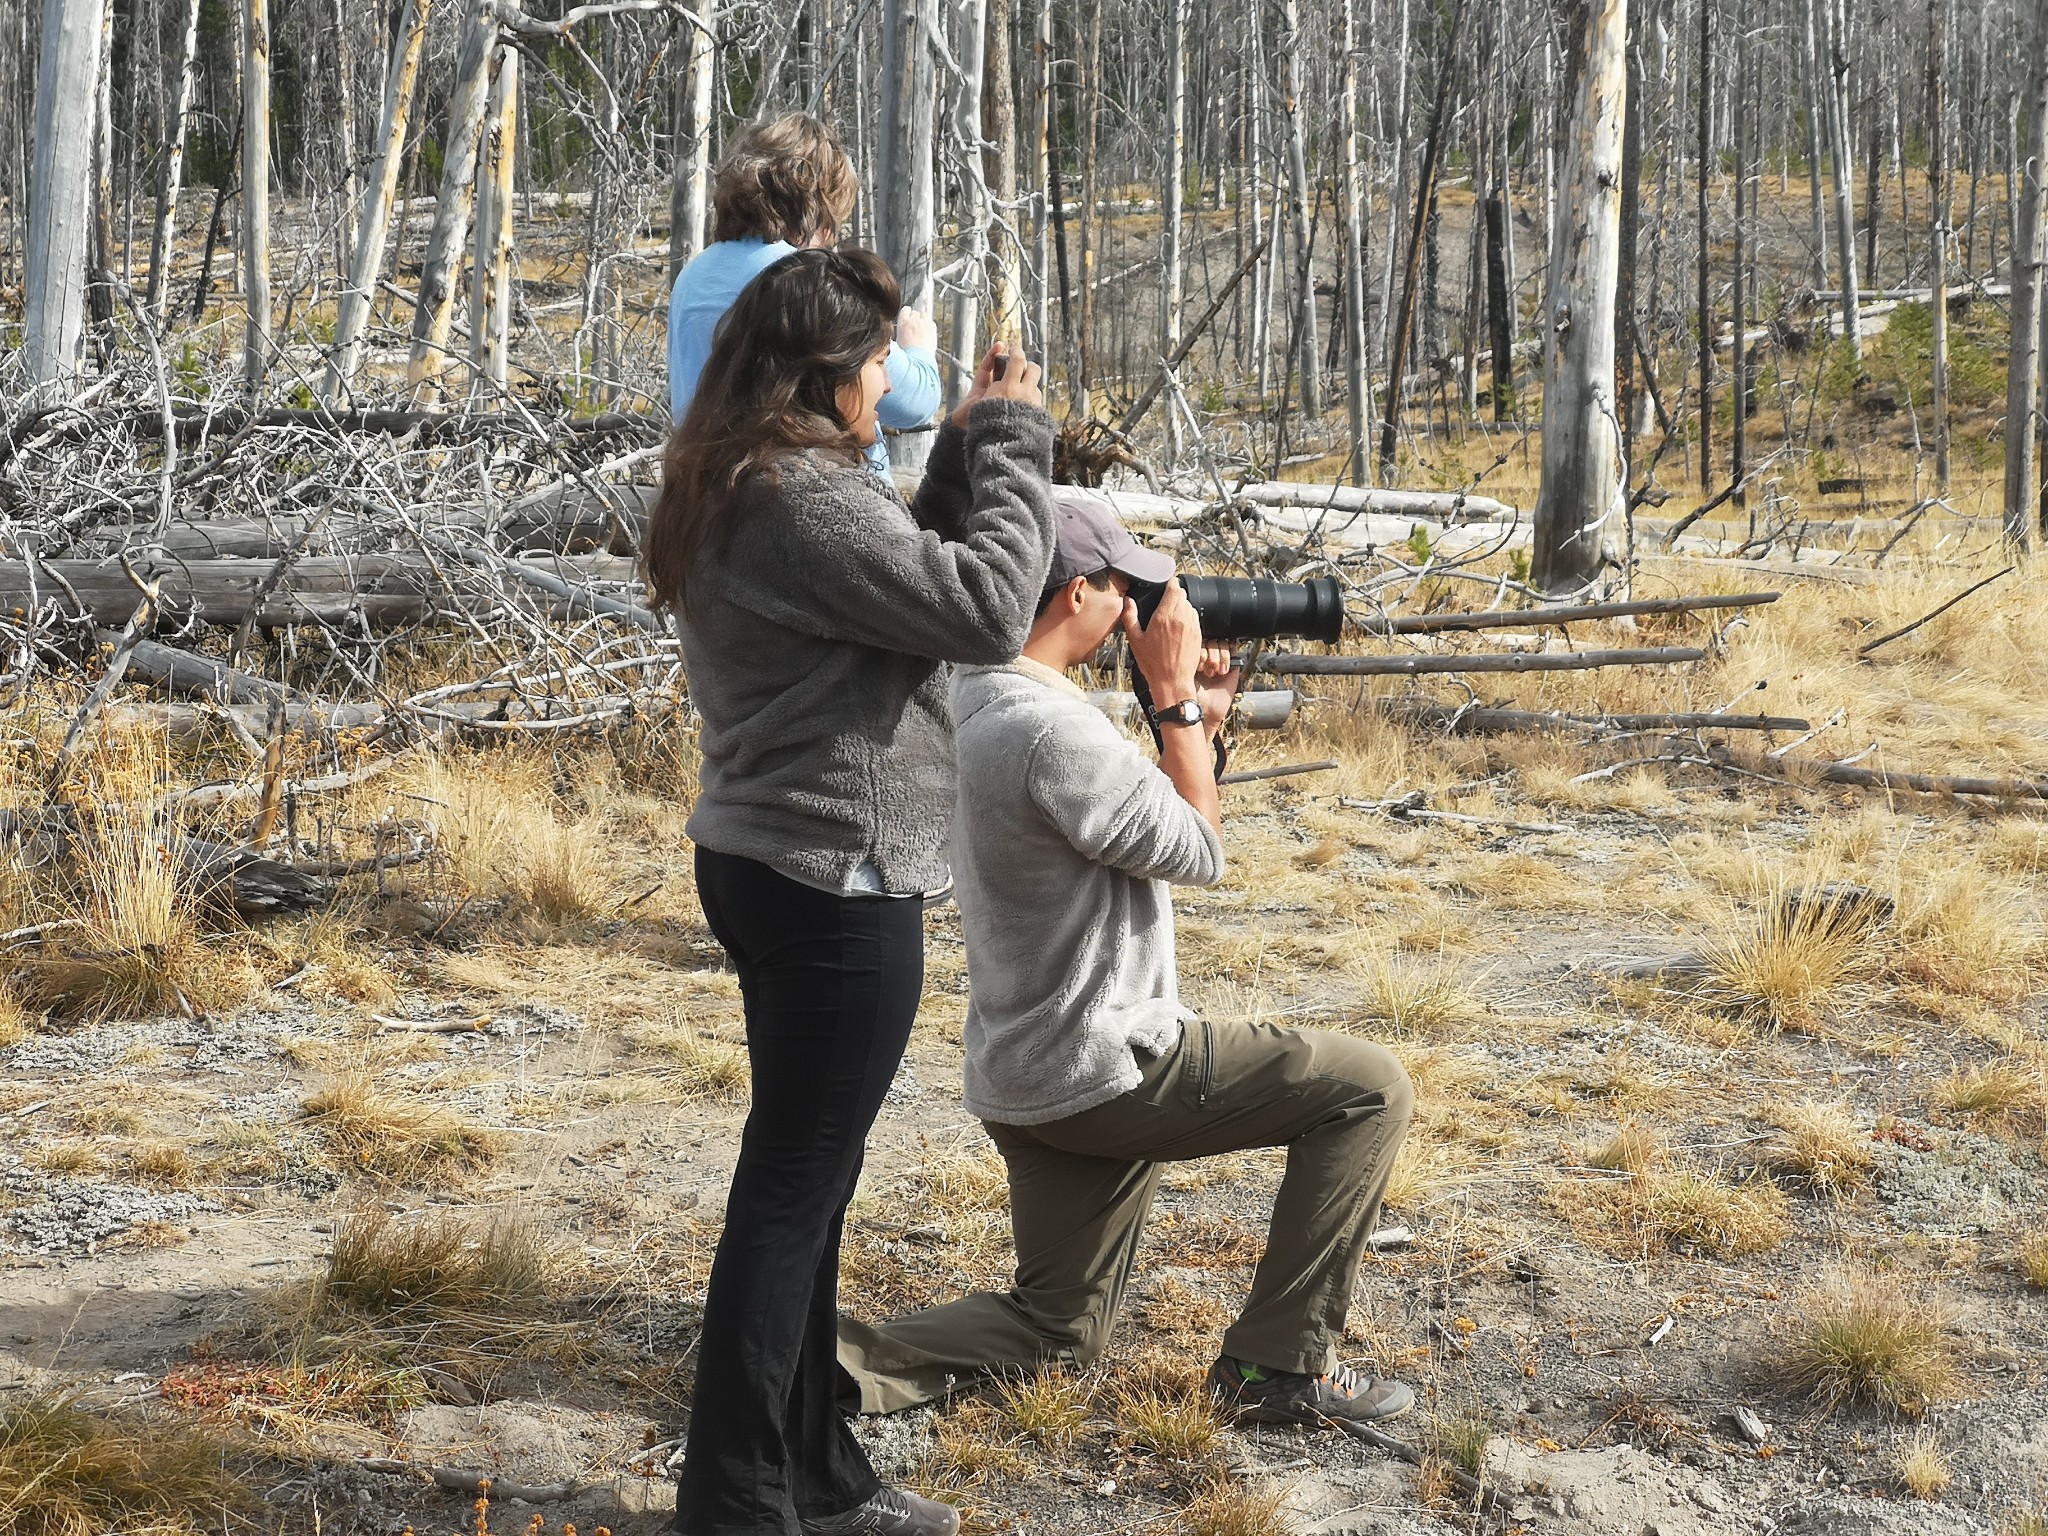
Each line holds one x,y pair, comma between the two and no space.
1290,1397
889,1512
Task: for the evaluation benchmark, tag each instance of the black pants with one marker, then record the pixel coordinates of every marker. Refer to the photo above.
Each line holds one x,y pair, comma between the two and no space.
831,985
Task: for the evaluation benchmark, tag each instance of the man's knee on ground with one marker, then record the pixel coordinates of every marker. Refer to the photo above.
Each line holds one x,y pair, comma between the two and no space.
1077,1333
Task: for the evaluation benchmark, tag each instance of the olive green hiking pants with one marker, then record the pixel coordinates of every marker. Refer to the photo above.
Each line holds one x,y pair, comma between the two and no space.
1080,1189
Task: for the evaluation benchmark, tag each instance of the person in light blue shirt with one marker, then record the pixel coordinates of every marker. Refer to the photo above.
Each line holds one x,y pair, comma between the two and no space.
782,184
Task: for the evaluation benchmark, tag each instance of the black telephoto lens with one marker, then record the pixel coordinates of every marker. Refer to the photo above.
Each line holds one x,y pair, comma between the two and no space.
1257,608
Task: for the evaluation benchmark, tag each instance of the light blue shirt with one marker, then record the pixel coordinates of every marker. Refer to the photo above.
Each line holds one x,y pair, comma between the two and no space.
705,290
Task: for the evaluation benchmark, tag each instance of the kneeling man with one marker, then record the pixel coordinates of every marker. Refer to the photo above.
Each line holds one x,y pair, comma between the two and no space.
1081,1061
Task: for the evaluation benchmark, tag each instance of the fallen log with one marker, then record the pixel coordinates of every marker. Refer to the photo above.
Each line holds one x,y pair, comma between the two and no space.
1289,665
1512,618
1449,507
1924,783
201,677
565,520
251,884
1485,718
382,591
432,426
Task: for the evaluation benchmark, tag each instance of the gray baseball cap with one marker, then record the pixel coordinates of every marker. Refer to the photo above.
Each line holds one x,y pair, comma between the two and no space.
1090,539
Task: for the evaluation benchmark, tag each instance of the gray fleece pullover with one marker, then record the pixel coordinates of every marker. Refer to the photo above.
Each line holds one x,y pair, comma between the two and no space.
816,643
1065,841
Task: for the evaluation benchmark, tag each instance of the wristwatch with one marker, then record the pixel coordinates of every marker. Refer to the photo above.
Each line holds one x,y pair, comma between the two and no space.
1186,712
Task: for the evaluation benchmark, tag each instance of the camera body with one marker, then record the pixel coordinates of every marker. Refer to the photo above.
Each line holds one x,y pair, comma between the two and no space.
1257,607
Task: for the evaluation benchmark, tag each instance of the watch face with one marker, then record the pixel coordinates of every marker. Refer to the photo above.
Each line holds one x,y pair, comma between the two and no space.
1187,712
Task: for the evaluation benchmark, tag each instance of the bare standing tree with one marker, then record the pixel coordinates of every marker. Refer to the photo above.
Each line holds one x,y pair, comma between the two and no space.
366,255
1581,490
256,340
490,314
2030,234
1938,232
456,199
690,200
171,179
60,195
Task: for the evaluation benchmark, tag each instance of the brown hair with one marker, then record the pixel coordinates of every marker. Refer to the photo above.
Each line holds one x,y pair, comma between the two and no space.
782,178
797,333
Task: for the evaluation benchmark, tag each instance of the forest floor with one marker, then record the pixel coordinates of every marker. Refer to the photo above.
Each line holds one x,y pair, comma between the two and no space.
1733,1096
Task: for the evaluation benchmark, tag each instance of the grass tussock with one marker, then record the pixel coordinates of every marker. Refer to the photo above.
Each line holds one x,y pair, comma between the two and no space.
1050,1408
1865,1338
2006,1094
2034,1259
1823,1144
381,1267
1633,1149
68,1471
161,1165
1176,1425
1405,995
696,1063
1713,1215
966,1183
1921,1467
968,1448
1781,964
1226,1508
370,1129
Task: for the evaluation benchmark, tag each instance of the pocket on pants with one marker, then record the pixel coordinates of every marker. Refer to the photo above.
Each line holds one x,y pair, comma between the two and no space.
1198,1064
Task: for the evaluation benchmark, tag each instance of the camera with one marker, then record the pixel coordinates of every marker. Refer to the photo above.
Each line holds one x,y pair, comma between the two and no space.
1256,608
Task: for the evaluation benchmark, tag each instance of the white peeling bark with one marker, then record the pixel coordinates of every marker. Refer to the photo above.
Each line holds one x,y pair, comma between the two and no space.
1577,508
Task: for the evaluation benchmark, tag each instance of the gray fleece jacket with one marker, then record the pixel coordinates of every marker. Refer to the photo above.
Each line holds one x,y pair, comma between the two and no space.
816,643
1065,841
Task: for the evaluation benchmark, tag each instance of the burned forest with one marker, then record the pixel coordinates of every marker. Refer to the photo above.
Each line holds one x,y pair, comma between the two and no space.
1654,389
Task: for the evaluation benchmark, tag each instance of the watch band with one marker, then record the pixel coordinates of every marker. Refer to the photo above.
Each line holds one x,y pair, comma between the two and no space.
1186,712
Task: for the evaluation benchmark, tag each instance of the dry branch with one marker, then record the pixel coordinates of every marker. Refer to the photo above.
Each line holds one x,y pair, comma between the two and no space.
1480,719
1517,618
1289,665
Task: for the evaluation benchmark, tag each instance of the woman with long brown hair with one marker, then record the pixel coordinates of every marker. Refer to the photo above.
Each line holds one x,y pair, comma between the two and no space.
818,613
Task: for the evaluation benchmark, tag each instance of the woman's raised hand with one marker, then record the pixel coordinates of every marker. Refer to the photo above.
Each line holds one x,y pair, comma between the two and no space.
1018,380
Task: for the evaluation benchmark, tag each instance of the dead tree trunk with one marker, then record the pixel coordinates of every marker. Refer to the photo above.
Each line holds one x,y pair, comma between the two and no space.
1500,314
2023,374
1817,202
1170,187
690,198
1703,154
999,174
1738,106
1358,402
1631,223
345,115
1425,194
1579,492
99,288
1308,356
256,193
455,201
1937,223
366,257
490,311
164,228
971,36
1835,43
59,233
908,218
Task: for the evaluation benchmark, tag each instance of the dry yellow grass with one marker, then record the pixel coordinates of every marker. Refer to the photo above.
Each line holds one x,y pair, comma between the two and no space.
1050,1408
1823,1144
697,1064
2004,1093
1717,1216
1633,1149
371,1129
1864,1337
1230,1508
161,1164
1921,1465
68,1471
495,1267
1180,1426
1779,964
1406,996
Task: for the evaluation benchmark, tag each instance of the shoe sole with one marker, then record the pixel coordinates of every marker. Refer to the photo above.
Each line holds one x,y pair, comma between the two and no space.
1259,1413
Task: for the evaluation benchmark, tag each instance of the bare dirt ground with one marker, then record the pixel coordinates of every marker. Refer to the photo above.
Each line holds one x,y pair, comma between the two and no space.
1732,1099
